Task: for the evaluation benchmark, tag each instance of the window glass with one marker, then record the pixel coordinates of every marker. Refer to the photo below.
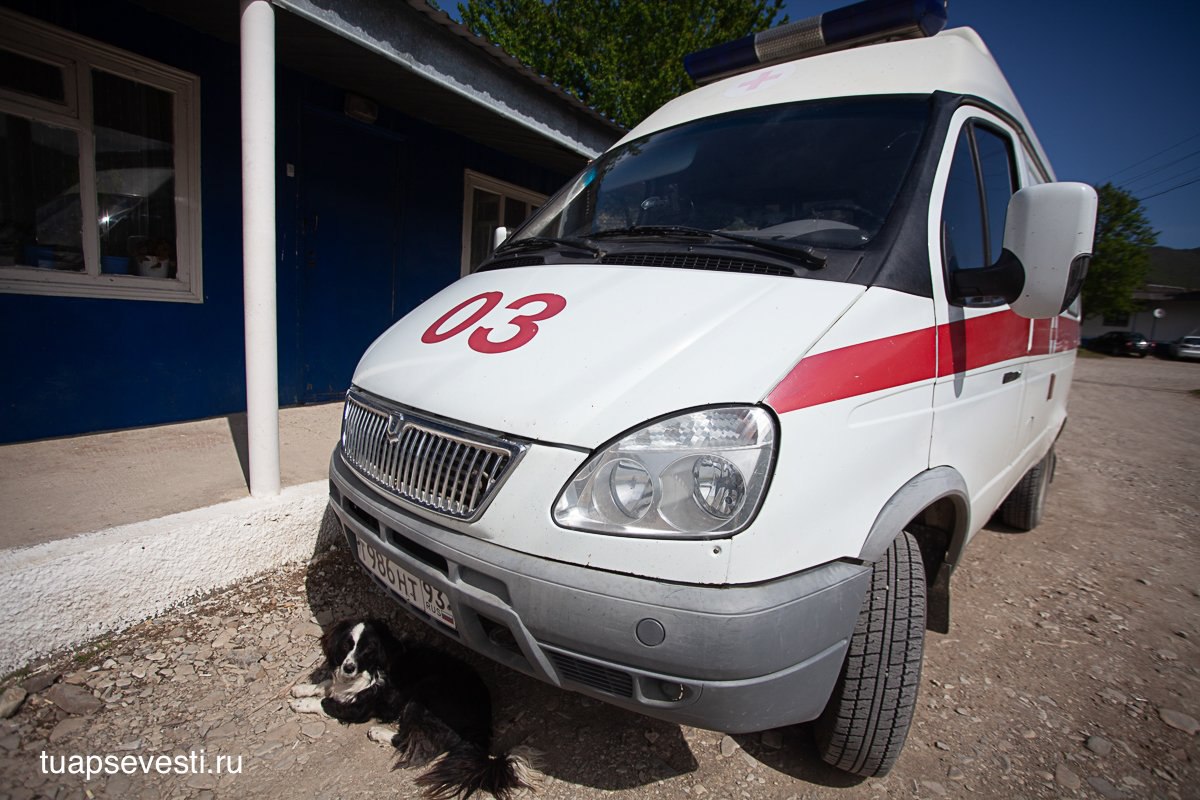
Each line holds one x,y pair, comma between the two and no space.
515,213
489,204
135,177
99,170
823,173
485,218
996,167
962,215
32,77
40,214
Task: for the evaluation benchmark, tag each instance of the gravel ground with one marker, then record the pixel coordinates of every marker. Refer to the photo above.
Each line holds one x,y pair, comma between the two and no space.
1071,667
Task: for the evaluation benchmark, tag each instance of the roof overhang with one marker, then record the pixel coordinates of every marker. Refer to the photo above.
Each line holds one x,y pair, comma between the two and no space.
413,57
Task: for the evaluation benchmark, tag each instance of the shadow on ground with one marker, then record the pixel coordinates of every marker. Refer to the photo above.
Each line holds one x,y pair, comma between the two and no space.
579,740
239,432
796,757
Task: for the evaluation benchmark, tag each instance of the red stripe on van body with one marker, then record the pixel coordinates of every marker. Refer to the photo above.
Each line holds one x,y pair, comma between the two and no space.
1068,334
1049,338
856,369
915,356
979,341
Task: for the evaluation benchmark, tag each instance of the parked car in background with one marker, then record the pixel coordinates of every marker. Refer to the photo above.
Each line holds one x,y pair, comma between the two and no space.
1185,347
1121,343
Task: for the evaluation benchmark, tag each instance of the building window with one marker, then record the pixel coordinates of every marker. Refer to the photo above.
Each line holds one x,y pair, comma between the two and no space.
490,203
100,183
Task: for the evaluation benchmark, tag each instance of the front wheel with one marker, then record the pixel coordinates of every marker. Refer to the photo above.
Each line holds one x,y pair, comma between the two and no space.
866,721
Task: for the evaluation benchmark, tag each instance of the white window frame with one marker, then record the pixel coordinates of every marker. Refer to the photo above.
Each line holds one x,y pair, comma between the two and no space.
79,56
473,180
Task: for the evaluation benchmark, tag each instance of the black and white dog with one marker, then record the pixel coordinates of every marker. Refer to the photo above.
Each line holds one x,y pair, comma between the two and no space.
440,705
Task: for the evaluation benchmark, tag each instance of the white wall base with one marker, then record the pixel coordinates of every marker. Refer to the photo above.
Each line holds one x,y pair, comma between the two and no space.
60,594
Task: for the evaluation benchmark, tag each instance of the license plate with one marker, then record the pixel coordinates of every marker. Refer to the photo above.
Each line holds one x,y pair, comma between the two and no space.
420,593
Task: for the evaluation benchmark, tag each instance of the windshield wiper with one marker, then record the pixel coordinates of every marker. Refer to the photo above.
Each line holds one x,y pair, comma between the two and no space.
534,242
799,253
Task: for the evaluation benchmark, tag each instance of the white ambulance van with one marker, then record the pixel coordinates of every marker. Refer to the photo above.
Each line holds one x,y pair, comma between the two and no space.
705,437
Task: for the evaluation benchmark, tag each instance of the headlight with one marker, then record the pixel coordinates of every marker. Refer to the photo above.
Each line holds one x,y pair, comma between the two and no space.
698,475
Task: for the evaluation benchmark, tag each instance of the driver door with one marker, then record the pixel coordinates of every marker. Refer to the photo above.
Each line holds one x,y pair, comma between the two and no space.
982,344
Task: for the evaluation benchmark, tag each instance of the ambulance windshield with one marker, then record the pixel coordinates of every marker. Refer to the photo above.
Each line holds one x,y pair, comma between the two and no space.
822,174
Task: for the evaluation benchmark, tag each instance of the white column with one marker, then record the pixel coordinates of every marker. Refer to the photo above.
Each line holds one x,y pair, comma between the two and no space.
258,244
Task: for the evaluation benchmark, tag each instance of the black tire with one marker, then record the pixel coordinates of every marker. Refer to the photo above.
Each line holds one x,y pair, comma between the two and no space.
1025,504
864,725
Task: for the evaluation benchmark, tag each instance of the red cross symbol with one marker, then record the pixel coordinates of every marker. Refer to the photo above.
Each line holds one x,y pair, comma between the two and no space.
758,81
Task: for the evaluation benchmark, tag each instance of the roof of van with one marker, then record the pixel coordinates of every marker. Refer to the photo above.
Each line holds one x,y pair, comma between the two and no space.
955,60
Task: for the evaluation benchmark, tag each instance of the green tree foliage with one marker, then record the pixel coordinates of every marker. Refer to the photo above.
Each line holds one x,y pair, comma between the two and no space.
1121,256
622,57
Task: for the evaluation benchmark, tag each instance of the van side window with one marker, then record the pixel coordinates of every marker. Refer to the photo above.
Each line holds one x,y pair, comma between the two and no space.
962,219
996,168
981,182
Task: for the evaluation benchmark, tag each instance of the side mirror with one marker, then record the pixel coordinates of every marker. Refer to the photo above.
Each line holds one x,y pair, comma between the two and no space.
1049,232
498,237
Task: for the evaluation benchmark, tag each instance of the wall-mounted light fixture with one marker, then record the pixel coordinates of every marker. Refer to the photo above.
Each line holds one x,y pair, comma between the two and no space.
360,108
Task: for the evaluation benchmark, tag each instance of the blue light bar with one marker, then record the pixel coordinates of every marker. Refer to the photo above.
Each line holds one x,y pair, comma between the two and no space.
861,23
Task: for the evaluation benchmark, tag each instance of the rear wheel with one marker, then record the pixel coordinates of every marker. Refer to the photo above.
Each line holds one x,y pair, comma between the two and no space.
866,721
1025,504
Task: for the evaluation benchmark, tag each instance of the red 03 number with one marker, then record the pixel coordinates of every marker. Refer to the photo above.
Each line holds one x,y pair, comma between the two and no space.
481,340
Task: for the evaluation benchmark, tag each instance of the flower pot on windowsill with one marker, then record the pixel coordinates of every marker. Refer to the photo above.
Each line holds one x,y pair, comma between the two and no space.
151,267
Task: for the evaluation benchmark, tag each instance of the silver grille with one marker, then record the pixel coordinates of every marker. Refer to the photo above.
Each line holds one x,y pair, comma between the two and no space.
422,462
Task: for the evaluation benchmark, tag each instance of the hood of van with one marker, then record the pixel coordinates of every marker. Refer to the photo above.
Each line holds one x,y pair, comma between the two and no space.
576,355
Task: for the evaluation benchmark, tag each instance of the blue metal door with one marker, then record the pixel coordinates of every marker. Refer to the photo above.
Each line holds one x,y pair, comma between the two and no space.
348,254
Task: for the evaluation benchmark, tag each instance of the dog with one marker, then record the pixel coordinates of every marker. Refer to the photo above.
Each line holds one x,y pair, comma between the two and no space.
440,705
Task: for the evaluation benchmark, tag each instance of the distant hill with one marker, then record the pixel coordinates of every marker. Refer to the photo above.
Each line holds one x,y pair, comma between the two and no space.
1170,267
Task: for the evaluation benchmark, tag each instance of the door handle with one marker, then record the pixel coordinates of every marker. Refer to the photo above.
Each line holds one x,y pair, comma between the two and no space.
1009,377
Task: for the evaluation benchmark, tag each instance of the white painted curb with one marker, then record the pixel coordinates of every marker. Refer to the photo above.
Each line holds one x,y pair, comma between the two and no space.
60,594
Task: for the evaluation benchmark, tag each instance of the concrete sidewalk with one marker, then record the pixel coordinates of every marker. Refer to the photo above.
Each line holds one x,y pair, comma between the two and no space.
57,488
100,532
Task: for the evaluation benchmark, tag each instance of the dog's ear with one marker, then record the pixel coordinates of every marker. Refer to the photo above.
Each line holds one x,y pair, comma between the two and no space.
332,636
391,643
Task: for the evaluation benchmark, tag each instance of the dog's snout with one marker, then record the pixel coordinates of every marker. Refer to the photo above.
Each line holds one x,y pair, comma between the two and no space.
349,667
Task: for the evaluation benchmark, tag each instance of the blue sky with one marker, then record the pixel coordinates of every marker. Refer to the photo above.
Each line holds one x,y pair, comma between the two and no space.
1105,85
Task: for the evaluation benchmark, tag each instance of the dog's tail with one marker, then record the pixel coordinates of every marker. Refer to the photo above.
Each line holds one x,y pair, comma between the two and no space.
467,769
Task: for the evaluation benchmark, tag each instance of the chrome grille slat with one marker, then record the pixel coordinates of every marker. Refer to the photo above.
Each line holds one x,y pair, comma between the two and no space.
420,461
387,462
414,465
479,478
376,447
447,472
426,465
410,457
466,481
443,467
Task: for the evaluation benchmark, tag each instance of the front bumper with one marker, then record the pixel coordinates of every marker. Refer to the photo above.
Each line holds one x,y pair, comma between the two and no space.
728,658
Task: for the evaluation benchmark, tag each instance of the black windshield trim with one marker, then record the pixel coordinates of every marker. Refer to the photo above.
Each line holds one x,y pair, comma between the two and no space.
802,254
536,242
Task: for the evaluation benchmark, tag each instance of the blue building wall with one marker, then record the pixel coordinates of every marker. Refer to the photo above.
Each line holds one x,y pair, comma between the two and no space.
74,365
